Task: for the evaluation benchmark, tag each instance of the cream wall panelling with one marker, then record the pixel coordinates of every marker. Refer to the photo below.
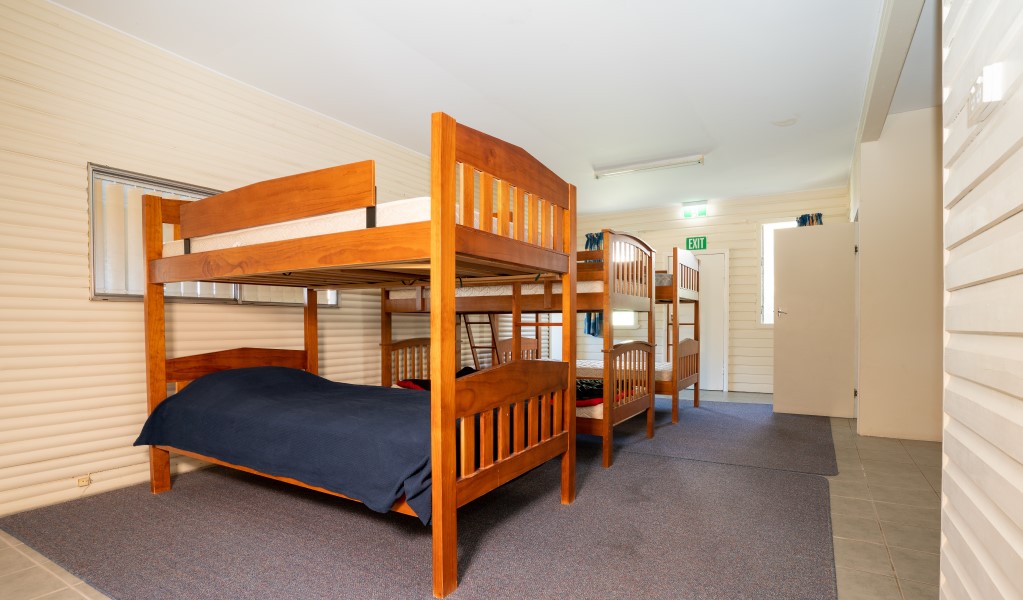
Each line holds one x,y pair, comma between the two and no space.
73,371
982,474
732,225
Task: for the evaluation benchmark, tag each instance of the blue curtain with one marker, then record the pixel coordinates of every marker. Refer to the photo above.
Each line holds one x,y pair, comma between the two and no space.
594,324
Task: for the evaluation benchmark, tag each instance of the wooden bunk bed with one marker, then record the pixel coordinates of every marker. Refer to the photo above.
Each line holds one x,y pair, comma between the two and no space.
506,420
680,285
618,277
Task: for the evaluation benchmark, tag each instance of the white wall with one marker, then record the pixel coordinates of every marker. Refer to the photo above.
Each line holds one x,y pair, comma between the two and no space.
982,474
72,375
900,279
735,225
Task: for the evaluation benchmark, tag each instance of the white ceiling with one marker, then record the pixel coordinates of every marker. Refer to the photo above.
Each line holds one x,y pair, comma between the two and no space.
771,92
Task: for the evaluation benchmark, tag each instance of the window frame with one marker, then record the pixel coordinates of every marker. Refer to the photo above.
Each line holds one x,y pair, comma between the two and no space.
165,186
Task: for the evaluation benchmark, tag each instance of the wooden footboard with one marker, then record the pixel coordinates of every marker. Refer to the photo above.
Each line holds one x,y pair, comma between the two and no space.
407,359
628,391
510,420
687,362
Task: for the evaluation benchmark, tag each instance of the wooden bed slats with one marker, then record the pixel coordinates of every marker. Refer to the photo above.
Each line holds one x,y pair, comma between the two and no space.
335,189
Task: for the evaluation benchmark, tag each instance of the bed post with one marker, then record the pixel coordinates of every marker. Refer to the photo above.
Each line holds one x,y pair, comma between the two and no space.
651,336
568,342
312,344
385,341
673,325
155,334
442,354
696,336
607,330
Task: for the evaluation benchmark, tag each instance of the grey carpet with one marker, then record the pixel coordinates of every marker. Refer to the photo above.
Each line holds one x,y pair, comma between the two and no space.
651,527
733,433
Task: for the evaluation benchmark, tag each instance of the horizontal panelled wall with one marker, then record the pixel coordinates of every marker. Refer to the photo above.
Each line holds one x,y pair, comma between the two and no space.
982,475
735,225
72,397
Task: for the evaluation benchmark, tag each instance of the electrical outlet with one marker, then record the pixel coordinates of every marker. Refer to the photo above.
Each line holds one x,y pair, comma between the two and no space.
84,480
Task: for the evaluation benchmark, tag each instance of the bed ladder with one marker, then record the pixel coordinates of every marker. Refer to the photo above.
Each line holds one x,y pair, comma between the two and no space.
491,321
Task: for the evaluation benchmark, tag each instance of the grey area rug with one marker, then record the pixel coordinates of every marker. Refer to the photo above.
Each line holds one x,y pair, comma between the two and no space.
650,527
732,433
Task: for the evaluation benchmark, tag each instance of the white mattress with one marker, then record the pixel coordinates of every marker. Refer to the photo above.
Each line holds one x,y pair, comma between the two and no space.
594,369
397,212
590,412
469,291
662,279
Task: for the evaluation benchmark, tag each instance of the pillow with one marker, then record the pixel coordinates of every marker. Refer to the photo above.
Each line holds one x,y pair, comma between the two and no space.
424,384
415,384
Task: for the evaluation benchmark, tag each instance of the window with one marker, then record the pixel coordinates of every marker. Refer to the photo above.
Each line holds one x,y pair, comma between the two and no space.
767,269
624,319
115,205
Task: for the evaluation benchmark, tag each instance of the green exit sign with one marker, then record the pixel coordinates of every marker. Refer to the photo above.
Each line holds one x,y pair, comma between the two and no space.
696,243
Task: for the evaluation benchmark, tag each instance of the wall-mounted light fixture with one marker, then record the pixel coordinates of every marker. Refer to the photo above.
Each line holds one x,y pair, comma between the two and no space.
668,163
694,209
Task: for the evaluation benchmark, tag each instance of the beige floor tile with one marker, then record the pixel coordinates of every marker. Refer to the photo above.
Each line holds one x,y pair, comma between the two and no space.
914,445
895,455
875,467
914,481
862,556
915,566
7,539
879,443
926,458
90,592
912,496
64,594
11,560
923,539
61,574
859,585
856,528
933,477
914,590
29,583
841,422
851,476
850,489
854,507
903,514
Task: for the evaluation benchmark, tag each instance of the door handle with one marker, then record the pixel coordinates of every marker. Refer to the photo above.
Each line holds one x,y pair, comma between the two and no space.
780,312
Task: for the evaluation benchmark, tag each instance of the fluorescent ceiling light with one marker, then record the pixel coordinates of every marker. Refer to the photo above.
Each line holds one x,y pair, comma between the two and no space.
668,163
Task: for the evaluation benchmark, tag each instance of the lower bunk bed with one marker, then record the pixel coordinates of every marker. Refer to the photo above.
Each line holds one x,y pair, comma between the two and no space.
259,411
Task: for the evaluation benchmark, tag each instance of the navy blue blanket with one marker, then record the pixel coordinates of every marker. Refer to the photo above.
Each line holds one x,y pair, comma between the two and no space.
366,442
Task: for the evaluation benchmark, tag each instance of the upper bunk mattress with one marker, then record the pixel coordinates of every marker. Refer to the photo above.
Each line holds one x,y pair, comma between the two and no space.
396,212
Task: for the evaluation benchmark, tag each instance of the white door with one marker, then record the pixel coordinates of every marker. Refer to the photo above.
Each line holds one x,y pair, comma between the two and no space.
713,320
815,320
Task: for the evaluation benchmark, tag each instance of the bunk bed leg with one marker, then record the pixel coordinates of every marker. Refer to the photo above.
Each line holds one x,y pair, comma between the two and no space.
568,352
674,404
607,444
159,470
650,418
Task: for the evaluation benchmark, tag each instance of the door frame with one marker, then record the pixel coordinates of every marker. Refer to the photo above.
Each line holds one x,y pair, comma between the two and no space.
727,316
